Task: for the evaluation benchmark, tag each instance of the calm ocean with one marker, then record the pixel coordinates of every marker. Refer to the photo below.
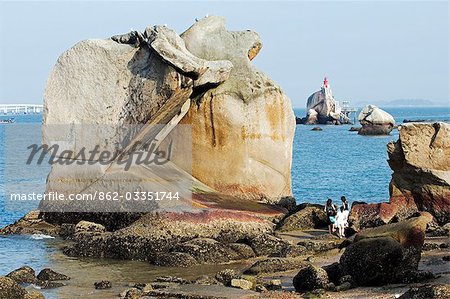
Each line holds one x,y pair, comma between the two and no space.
327,163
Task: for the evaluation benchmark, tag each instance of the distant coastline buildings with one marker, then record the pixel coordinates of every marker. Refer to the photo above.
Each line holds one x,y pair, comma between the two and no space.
15,109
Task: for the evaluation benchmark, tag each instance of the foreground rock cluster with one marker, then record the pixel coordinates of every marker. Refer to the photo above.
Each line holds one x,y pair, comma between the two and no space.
420,181
11,284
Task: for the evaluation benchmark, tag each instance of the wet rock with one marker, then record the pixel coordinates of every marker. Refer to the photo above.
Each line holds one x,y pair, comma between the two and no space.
67,230
101,285
446,258
265,244
386,254
344,287
144,287
132,293
47,284
10,289
272,265
241,284
346,278
171,279
291,251
30,224
34,295
206,250
354,129
91,227
428,291
49,274
243,251
316,129
320,245
273,285
307,218
24,274
310,278
206,280
334,272
225,276
175,259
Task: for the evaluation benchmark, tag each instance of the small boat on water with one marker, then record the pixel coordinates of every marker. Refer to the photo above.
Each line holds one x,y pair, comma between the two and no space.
7,121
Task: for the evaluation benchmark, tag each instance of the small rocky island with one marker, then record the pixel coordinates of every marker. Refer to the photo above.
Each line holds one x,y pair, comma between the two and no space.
242,207
375,121
322,108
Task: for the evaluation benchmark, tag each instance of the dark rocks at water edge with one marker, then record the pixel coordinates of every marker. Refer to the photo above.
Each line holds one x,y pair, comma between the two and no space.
101,285
46,279
385,254
9,289
50,275
316,129
24,274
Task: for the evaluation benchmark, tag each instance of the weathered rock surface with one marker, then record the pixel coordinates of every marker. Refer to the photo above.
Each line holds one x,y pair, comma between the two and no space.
51,275
307,218
433,291
310,278
24,274
421,164
421,178
30,224
242,127
272,265
10,289
384,254
242,130
375,121
187,239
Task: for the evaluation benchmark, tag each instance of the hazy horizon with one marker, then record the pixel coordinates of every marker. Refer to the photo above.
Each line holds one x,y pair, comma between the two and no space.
372,52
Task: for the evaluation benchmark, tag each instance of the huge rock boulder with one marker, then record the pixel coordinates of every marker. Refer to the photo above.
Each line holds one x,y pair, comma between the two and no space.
420,160
420,181
375,121
385,254
242,130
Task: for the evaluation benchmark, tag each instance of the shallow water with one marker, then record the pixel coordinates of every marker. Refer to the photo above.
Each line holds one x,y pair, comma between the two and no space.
327,163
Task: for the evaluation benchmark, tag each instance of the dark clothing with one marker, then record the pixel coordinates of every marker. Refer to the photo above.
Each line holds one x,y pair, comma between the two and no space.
345,205
331,213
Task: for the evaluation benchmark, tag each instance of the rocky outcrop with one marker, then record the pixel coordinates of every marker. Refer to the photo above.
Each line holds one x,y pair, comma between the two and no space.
375,121
310,278
322,108
421,178
24,274
421,164
10,289
385,254
242,130
428,291
309,217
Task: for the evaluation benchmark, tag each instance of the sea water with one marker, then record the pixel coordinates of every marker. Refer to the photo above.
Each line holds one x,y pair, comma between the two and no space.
325,164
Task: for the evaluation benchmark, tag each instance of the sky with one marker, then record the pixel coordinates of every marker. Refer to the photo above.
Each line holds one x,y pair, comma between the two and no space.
371,51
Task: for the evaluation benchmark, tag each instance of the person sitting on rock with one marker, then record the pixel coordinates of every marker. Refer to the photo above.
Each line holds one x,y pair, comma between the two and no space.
344,203
341,221
331,210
